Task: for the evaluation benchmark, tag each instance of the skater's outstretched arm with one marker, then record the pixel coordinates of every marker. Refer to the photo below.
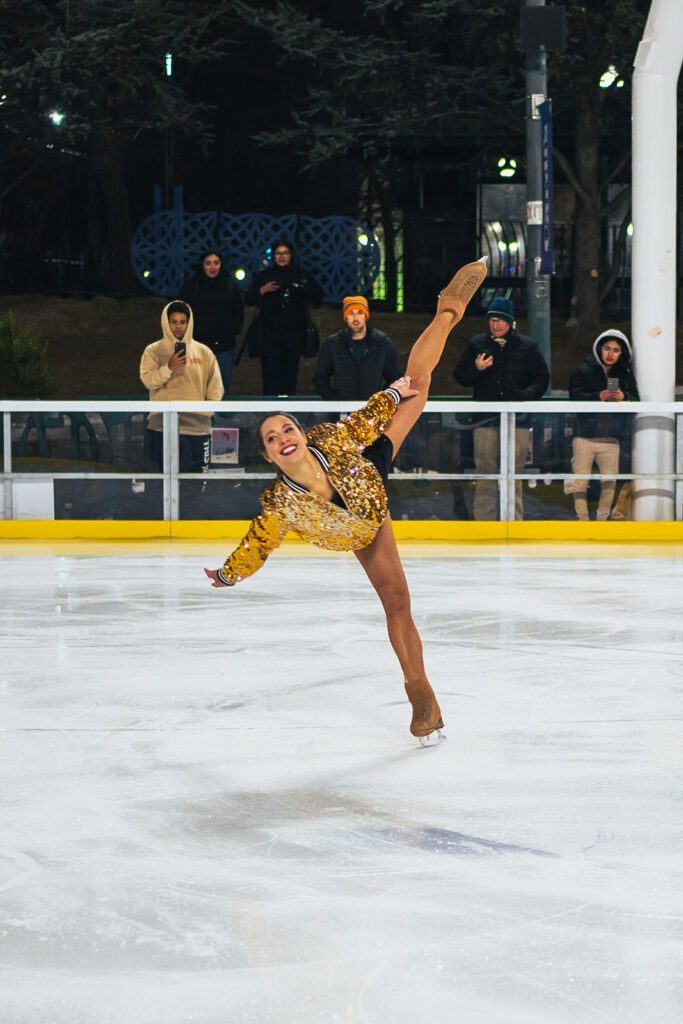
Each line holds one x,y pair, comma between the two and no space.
264,535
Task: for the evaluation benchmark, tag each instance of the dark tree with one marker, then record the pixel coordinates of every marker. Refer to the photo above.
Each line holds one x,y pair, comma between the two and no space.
87,80
387,77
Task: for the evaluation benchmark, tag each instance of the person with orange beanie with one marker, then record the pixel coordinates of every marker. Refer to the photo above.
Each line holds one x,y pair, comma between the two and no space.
357,361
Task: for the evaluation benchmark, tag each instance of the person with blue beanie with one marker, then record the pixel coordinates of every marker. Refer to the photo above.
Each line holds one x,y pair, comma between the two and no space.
500,365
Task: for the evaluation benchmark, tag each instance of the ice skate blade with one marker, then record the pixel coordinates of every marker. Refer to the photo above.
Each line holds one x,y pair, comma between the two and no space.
433,739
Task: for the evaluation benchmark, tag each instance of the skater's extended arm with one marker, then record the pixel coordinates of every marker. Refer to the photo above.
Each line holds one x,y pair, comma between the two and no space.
265,533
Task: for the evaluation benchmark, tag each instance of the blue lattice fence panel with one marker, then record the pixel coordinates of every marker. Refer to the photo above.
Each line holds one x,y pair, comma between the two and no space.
338,251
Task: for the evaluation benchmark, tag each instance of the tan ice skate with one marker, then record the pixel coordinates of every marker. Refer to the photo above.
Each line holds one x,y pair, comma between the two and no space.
458,292
427,722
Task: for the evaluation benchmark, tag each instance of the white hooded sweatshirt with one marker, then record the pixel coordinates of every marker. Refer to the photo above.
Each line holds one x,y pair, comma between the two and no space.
198,381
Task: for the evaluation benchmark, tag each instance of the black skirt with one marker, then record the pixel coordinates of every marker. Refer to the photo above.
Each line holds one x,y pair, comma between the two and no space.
381,454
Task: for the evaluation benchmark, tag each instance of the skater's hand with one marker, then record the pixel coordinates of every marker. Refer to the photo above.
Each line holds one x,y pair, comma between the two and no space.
403,386
269,286
483,361
213,576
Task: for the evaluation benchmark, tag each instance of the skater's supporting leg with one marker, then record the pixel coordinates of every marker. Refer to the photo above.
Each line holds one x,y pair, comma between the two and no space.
428,349
382,564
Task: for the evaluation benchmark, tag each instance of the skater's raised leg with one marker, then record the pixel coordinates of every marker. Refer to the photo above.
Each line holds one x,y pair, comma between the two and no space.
428,349
384,570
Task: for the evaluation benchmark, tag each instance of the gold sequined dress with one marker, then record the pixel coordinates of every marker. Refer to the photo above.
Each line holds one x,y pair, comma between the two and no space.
289,506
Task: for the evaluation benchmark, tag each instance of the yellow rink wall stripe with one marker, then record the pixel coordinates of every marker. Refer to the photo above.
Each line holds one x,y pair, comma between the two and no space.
423,530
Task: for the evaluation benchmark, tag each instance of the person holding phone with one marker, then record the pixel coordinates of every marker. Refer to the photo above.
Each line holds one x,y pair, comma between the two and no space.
604,376
500,365
177,368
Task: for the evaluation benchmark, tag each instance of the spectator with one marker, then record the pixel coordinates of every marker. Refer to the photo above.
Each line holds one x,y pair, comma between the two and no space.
282,293
218,310
357,361
604,376
179,369
500,365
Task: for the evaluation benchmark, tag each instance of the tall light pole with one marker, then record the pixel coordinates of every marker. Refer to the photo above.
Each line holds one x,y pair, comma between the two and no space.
541,29
537,283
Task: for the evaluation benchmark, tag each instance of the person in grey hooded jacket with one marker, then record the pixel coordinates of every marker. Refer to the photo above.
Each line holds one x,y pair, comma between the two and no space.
604,376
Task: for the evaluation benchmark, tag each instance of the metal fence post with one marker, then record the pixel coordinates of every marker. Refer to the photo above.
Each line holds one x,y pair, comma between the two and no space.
171,464
8,509
503,468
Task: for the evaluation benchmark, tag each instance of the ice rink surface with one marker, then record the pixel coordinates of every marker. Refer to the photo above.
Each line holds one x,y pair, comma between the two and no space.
212,810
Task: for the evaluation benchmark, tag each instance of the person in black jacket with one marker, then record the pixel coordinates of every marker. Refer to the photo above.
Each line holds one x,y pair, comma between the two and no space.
282,293
501,365
357,361
604,376
218,310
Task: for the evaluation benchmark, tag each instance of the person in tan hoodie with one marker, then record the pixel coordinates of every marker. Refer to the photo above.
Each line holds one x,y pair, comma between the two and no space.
179,369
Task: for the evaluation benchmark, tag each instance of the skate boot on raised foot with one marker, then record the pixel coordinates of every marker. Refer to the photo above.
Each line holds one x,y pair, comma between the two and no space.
458,292
427,722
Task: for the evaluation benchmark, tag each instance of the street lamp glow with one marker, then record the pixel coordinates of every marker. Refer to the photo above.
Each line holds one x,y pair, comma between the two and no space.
56,117
363,239
168,60
146,273
240,274
629,230
502,246
507,167
608,77
513,246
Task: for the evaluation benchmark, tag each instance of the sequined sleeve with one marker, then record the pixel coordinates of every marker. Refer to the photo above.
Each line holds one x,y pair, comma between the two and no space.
265,534
365,425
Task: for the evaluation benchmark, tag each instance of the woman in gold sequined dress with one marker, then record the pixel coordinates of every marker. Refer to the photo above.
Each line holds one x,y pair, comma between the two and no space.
330,490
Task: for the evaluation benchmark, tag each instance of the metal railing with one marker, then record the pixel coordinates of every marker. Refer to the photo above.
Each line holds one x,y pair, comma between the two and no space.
17,416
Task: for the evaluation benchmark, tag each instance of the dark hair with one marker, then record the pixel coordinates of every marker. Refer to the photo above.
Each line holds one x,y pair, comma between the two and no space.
268,415
177,306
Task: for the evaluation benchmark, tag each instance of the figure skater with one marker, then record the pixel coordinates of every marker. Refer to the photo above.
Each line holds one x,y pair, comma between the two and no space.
331,490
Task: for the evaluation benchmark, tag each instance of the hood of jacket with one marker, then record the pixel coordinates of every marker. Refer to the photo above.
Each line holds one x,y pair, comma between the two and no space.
624,360
168,336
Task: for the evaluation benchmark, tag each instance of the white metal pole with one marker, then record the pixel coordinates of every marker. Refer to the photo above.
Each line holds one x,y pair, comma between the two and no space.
657,66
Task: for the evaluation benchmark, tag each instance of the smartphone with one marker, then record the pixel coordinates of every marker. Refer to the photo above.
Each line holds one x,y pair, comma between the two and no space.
612,383
181,347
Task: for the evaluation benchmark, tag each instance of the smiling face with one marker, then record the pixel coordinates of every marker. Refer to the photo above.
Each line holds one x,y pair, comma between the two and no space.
283,442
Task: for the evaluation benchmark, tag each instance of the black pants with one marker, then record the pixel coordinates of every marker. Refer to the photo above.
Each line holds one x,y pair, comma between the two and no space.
194,455
280,366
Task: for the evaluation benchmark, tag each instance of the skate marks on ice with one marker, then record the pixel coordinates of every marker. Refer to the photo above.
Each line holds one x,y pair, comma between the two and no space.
16,868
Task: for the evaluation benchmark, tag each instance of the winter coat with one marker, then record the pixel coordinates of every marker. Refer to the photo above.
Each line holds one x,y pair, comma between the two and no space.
217,307
519,372
284,313
354,370
590,378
